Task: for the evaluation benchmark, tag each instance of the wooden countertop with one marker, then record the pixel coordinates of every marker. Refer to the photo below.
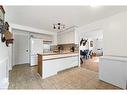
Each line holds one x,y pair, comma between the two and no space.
58,56
49,54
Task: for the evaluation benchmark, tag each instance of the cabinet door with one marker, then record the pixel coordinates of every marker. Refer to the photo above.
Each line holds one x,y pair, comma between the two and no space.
58,38
66,37
72,37
63,39
76,36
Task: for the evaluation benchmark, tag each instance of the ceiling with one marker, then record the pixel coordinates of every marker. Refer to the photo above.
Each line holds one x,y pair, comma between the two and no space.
43,17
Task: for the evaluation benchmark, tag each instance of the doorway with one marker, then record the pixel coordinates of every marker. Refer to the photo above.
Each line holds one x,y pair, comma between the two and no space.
20,47
91,48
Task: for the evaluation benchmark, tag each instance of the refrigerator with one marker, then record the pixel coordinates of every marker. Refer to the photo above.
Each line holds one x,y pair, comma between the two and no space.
36,46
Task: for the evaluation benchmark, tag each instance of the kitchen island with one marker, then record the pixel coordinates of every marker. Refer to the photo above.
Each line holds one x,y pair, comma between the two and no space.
51,64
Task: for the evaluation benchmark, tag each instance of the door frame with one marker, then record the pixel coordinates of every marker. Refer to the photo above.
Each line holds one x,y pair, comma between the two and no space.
12,49
84,36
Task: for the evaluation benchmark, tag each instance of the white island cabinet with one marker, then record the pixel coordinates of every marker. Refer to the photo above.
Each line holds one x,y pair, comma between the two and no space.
52,64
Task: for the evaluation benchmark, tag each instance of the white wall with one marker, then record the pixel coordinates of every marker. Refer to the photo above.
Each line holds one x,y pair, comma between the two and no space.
4,65
114,33
92,34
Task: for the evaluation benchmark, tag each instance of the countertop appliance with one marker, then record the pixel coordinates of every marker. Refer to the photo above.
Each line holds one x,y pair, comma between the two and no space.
36,46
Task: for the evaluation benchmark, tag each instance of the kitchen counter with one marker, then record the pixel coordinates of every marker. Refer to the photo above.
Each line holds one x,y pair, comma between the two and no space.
45,54
57,56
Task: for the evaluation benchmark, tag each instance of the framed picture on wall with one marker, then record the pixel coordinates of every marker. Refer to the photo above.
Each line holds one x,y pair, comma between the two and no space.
91,43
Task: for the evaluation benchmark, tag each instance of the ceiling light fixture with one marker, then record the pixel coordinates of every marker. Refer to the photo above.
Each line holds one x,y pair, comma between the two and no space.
58,26
54,27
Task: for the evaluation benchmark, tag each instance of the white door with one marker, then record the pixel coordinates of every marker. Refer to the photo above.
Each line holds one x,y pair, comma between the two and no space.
20,47
36,47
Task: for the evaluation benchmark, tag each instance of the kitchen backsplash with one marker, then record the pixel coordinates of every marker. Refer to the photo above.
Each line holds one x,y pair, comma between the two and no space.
65,48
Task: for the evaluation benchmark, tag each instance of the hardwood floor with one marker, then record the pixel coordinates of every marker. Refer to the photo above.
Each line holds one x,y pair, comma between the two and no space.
26,77
91,64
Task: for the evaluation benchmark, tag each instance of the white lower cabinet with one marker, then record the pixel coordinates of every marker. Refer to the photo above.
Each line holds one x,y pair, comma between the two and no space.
33,60
67,63
51,67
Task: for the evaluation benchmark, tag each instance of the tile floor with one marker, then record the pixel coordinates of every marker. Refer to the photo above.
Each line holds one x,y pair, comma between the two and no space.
26,77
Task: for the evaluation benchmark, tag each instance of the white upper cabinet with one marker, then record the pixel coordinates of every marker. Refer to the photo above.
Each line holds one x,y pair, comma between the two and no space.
67,36
76,36
54,39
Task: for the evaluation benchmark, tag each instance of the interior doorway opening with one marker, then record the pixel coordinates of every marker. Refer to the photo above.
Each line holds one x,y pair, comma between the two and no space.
91,48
